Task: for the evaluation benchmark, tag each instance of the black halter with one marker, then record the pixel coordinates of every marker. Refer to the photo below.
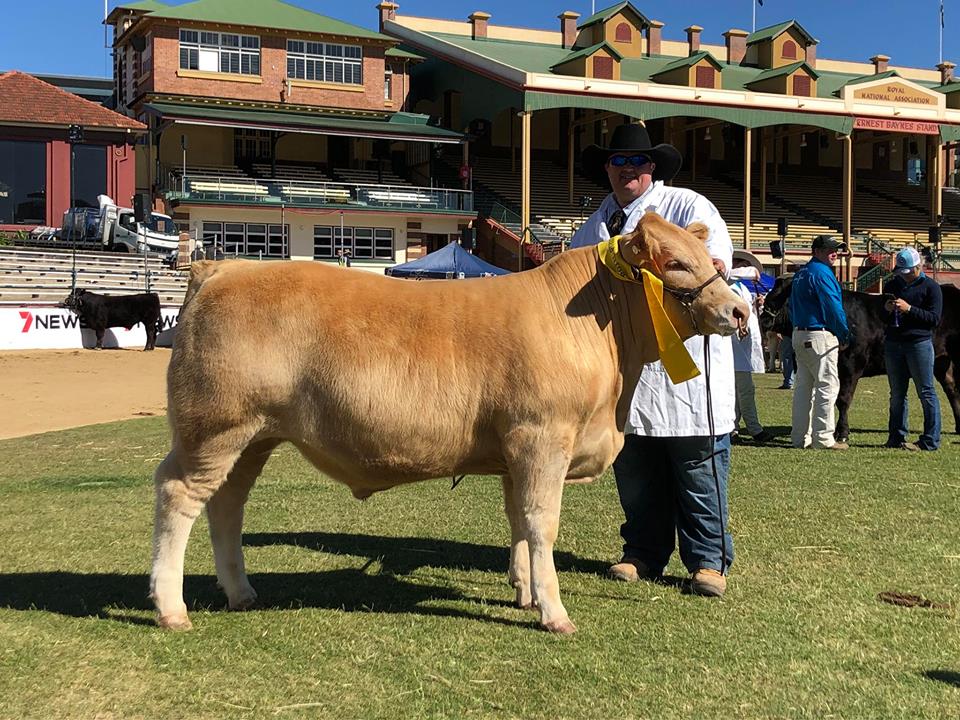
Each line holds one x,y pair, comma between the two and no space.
687,296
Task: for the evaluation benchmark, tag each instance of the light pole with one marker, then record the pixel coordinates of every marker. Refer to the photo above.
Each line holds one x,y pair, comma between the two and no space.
74,136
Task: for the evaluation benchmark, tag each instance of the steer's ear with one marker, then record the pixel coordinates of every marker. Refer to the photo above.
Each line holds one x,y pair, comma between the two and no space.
699,231
635,246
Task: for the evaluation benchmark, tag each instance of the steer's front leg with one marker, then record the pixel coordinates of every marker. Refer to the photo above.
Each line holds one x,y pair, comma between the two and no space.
519,573
538,465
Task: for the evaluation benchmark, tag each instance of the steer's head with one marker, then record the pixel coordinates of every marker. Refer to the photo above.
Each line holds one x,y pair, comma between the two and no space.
696,298
73,301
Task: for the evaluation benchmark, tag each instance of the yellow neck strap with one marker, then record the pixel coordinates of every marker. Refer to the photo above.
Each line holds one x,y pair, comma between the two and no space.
673,353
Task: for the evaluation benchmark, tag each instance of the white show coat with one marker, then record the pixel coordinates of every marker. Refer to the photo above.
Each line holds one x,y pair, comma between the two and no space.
748,351
660,408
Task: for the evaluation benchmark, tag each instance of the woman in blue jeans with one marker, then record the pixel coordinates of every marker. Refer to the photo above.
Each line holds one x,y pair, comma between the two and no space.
915,309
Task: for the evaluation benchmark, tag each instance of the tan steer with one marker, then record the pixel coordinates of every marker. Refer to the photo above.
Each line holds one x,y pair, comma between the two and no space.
380,381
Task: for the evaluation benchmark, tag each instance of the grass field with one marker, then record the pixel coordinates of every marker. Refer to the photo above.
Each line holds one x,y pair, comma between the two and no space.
398,607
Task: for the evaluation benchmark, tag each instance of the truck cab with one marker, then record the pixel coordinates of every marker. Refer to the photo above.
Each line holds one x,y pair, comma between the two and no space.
159,234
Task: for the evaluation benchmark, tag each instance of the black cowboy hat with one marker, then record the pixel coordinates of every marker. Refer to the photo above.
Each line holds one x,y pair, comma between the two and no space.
629,139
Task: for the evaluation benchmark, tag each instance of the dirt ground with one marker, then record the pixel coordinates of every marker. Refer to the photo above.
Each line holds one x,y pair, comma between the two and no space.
42,390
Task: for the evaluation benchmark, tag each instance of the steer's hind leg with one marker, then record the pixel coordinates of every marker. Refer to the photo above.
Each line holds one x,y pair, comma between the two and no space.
538,465
225,516
519,573
184,482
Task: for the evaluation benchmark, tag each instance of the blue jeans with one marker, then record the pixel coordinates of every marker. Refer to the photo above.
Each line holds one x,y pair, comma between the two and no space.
788,363
668,492
907,360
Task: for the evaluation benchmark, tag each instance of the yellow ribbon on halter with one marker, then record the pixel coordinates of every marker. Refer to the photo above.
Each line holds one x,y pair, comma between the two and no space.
673,353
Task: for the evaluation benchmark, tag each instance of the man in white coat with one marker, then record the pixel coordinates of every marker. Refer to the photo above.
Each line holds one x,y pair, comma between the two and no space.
672,472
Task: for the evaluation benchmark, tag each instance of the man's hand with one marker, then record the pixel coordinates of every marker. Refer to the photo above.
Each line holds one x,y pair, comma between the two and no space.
844,346
899,303
719,266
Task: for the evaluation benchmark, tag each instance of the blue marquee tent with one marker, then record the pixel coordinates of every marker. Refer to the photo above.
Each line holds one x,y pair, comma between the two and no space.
451,261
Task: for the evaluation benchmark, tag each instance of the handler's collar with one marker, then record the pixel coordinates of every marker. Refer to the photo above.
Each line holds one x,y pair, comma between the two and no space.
673,353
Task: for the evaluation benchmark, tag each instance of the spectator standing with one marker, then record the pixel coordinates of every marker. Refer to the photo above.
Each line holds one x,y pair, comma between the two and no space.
747,355
819,331
915,311
665,472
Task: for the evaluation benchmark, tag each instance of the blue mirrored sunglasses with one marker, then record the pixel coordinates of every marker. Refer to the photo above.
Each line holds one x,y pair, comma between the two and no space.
635,160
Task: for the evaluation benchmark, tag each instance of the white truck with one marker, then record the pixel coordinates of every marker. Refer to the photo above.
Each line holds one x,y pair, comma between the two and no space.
116,229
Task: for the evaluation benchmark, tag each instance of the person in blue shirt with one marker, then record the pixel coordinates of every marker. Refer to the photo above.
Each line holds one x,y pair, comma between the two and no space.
819,333
915,308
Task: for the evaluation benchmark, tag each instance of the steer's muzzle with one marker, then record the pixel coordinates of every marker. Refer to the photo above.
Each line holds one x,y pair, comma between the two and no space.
720,311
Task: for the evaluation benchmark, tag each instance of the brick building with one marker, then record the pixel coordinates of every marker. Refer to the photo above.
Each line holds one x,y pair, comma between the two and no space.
35,182
279,132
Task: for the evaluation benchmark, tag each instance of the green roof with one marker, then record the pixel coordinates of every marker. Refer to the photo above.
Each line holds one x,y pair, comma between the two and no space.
586,52
769,33
606,13
877,76
785,70
397,125
266,14
143,5
403,54
688,61
950,87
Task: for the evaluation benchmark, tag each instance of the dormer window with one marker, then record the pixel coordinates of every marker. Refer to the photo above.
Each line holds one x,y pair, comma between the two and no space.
623,33
705,77
789,51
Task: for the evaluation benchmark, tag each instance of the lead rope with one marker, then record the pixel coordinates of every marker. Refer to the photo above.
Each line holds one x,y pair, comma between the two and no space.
713,454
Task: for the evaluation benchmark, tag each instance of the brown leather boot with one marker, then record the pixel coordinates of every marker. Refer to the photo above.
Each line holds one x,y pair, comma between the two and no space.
629,569
707,582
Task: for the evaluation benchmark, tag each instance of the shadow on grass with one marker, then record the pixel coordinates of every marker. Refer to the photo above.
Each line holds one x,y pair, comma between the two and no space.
945,676
108,595
403,555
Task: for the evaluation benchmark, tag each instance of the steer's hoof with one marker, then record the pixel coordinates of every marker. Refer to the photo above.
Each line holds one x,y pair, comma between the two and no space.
178,623
247,601
561,627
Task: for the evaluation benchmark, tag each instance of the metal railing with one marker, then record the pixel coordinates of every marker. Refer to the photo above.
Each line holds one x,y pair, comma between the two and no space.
291,191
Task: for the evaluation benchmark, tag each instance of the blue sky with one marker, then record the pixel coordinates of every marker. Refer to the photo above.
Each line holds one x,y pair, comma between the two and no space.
65,37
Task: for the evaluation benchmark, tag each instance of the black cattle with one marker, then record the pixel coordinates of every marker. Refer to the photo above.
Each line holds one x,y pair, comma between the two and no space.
100,312
863,357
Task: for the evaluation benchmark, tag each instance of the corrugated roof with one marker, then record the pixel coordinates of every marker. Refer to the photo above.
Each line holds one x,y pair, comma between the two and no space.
690,60
609,12
588,51
29,101
768,33
265,14
878,76
785,70
397,125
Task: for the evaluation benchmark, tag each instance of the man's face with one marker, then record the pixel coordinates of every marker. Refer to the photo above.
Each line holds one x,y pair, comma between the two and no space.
827,255
630,175
912,275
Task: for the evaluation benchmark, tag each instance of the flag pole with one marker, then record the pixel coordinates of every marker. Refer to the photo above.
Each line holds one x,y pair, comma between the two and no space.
754,3
941,32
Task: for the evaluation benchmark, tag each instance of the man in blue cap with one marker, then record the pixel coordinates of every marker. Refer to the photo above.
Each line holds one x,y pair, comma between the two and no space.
915,308
819,331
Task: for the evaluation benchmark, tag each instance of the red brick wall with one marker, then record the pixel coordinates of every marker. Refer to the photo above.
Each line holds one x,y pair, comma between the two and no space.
272,78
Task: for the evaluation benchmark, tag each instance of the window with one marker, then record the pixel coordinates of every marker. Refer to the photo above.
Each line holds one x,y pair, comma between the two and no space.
363,243
603,68
251,144
388,84
219,52
23,182
254,239
789,51
623,33
90,175
705,77
325,62
801,85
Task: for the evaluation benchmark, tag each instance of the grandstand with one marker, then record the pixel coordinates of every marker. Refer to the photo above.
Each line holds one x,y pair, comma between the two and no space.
44,276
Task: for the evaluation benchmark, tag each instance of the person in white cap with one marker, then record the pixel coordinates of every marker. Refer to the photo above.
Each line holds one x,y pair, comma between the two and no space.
915,307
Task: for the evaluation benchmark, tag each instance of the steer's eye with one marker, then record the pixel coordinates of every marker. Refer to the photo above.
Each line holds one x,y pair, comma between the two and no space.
676,265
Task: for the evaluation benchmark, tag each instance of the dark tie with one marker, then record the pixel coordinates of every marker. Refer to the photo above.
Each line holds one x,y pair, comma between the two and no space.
615,223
